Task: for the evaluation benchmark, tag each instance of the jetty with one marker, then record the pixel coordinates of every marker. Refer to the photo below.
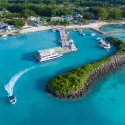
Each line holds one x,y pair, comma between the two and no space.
67,44
97,30
106,33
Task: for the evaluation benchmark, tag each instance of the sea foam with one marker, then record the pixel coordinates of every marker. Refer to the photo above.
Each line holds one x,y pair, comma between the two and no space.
10,85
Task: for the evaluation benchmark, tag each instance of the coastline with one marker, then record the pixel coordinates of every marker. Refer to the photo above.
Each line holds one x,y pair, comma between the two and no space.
96,25
115,62
111,63
93,26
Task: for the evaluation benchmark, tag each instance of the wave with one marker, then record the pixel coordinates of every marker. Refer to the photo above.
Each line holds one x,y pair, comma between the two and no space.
10,85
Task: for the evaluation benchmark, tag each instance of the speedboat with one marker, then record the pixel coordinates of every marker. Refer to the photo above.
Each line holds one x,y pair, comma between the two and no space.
12,99
106,46
93,34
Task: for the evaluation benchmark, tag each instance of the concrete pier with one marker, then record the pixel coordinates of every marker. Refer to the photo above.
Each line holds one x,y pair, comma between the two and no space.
67,44
106,33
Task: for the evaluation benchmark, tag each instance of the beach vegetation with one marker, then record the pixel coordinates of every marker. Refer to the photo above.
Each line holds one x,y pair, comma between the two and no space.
75,79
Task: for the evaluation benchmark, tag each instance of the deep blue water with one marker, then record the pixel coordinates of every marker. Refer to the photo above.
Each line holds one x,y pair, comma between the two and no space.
104,103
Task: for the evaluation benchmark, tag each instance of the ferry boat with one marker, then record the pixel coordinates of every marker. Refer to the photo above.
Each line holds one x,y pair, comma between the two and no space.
12,99
47,55
106,46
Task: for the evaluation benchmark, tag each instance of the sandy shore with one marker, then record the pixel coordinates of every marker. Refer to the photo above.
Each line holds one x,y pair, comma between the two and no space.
34,29
96,25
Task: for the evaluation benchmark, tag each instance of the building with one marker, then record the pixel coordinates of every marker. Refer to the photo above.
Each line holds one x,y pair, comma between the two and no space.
3,25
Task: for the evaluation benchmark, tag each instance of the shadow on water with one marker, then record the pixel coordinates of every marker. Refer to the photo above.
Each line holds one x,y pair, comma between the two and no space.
28,57
5,99
40,86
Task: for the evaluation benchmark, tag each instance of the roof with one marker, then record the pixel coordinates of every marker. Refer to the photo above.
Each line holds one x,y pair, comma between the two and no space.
50,51
2,25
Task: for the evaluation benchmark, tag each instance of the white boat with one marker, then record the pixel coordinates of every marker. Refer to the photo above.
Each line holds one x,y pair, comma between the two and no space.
53,30
98,38
80,31
67,32
93,34
47,55
106,46
71,41
102,41
73,47
12,99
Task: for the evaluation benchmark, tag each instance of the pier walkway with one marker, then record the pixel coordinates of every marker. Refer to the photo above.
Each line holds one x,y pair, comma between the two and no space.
106,33
67,44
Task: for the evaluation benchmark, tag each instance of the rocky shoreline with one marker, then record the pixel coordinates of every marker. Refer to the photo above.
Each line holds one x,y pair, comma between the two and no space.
114,62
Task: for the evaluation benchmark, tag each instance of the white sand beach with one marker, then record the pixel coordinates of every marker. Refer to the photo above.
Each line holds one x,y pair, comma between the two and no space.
95,25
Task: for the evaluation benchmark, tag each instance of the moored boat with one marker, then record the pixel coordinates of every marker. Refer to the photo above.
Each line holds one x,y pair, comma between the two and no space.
98,38
106,46
102,41
47,55
93,34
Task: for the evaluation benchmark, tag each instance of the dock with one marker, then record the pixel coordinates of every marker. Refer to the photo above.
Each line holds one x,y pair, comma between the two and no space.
106,33
67,44
97,30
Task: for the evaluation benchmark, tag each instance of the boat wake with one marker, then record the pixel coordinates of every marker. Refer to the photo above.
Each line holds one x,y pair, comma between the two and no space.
10,85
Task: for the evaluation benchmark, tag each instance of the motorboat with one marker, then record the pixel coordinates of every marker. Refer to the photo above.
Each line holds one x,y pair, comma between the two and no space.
93,34
83,34
106,46
102,41
98,38
12,99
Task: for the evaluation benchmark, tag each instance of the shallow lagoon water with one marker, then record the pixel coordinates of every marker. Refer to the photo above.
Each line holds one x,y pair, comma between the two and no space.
104,103
113,27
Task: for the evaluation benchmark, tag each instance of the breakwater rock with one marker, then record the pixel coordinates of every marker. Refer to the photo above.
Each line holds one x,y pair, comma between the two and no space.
114,62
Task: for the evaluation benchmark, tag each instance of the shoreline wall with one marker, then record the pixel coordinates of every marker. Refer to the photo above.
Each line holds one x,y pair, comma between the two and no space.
114,62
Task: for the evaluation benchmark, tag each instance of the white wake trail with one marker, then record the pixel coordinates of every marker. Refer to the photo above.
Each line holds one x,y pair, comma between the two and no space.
10,85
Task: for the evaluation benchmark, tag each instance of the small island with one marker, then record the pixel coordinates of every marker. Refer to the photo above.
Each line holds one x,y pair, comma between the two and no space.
77,82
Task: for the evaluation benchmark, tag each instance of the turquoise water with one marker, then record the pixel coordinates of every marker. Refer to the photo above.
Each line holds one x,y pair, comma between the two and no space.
113,27
104,103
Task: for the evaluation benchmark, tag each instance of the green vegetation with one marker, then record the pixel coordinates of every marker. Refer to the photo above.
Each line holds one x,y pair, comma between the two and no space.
89,9
16,22
119,43
75,79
